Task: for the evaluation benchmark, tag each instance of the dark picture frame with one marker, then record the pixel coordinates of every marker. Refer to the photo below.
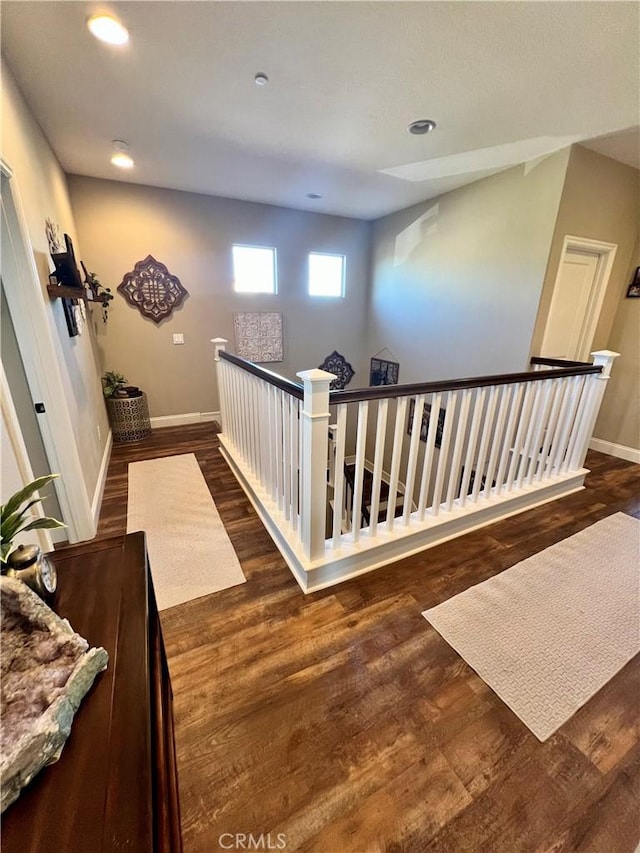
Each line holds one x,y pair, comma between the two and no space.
633,291
383,372
424,426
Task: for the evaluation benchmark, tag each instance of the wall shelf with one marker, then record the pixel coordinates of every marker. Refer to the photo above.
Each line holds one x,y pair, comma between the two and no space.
62,291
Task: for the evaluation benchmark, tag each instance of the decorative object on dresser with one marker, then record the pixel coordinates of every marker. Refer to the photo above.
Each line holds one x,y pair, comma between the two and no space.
258,336
152,289
46,670
341,369
115,786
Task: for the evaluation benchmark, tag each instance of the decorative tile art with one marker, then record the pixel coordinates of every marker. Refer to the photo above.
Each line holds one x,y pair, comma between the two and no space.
258,336
152,289
341,369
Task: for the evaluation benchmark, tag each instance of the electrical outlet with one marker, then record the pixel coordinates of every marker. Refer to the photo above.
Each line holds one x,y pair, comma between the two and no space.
178,339
99,433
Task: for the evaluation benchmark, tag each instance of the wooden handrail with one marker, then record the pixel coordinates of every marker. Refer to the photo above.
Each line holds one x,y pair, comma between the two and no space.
386,391
269,376
379,392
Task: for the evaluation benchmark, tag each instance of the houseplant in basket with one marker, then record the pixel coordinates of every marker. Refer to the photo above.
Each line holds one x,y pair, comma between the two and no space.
126,407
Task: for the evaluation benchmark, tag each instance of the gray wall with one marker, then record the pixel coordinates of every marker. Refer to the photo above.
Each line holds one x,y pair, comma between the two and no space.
120,224
456,281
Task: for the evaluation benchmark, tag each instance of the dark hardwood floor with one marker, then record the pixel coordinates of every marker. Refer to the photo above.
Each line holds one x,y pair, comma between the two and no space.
344,721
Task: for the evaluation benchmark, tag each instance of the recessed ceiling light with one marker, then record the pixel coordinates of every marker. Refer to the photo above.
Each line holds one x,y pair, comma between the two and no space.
108,29
423,125
121,156
314,195
261,79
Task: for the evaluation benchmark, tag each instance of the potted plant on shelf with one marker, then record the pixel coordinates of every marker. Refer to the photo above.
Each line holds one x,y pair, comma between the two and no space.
99,293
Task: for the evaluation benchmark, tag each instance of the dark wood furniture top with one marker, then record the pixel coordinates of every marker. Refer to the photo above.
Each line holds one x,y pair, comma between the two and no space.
115,784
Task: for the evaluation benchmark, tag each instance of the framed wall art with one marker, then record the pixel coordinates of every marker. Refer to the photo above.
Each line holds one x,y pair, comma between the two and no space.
258,336
383,372
152,289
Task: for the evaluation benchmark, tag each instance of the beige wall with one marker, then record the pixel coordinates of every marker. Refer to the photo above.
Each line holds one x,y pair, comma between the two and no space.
600,201
120,224
456,281
619,420
42,188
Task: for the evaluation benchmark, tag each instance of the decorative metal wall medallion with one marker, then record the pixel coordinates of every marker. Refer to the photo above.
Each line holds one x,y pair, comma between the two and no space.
340,367
152,289
258,336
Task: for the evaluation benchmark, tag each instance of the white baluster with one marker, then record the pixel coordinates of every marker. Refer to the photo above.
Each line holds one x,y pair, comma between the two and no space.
456,459
378,464
484,441
546,457
523,426
412,461
338,473
535,450
444,449
561,456
476,422
295,461
506,392
514,413
398,437
315,423
427,465
358,477
286,452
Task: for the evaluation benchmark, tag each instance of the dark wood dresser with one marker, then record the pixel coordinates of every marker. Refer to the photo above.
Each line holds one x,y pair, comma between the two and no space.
115,785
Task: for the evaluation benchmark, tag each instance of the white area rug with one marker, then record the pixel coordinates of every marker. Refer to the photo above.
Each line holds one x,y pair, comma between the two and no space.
189,551
549,632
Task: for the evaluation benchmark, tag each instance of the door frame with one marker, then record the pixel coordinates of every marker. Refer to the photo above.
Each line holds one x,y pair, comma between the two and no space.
606,255
41,356
19,448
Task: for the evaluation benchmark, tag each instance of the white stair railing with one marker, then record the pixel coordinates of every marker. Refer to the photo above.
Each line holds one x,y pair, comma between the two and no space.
427,462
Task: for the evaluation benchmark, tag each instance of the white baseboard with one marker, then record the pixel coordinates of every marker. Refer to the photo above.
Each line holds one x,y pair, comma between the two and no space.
96,503
631,454
183,420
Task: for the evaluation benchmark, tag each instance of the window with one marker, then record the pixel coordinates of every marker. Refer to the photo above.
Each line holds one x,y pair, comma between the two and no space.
254,269
326,274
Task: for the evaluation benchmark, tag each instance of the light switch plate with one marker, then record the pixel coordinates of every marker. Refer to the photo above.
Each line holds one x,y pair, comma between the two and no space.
178,339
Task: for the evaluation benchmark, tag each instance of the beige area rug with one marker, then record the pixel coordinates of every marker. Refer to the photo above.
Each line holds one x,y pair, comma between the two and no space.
190,553
549,632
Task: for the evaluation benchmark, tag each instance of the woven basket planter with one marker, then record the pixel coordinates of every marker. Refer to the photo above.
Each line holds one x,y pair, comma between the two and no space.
129,418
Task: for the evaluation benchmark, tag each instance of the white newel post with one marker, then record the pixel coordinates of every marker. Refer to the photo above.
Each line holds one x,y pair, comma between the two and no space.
220,344
313,460
596,387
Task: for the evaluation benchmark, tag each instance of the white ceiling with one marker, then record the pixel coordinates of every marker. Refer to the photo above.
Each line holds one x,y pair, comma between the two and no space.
504,81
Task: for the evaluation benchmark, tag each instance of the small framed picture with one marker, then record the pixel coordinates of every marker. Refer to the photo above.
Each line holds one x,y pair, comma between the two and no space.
633,291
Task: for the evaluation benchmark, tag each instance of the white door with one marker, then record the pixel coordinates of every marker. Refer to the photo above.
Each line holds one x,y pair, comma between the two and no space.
573,293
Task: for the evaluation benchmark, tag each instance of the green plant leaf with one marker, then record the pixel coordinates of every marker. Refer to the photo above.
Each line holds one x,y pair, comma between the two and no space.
15,501
11,523
42,524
